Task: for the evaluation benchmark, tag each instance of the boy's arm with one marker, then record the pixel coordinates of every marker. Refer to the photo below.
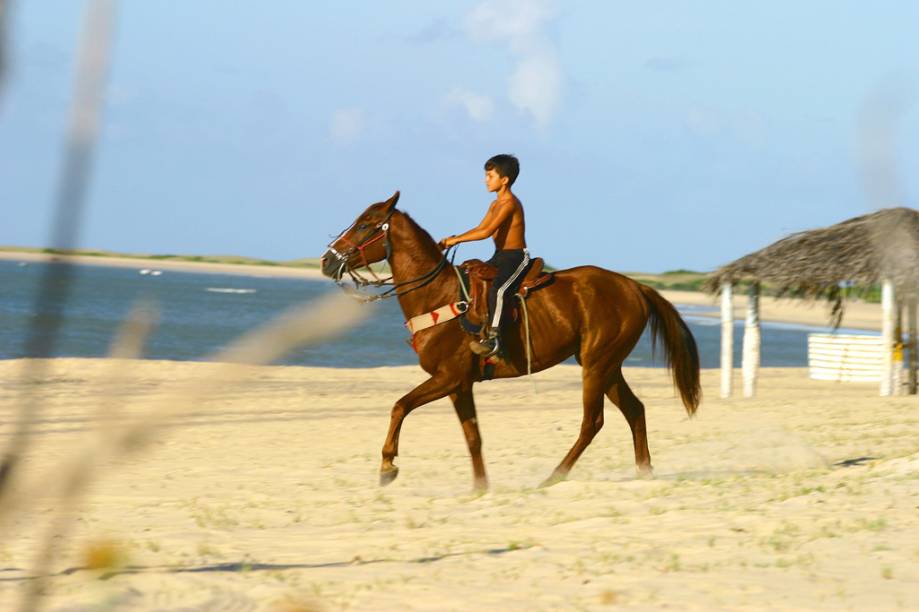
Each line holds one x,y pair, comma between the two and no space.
496,215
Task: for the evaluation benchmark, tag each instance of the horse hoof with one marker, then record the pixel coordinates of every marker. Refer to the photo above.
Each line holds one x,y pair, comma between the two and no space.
551,480
480,487
387,476
645,472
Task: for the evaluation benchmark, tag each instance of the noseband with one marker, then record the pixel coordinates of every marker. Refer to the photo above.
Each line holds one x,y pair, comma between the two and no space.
380,232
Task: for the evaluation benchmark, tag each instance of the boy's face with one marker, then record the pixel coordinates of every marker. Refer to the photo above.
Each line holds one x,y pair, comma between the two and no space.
494,181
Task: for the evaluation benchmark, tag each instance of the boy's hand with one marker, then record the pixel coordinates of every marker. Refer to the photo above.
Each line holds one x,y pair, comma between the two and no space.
445,243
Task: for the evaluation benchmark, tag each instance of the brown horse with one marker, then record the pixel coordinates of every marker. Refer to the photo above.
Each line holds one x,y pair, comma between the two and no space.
594,314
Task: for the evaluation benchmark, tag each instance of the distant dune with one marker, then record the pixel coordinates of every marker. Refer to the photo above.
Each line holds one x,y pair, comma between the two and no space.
221,264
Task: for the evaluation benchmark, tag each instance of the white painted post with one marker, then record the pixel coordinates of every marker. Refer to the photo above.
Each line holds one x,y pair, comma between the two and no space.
751,343
888,306
911,325
727,339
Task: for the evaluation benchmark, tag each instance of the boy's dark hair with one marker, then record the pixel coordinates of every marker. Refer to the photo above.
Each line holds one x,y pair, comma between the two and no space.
505,165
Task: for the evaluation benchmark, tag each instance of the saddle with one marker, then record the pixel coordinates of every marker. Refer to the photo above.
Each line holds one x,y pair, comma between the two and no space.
480,276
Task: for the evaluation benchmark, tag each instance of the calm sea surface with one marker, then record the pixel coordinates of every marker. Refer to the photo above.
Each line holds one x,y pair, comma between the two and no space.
200,313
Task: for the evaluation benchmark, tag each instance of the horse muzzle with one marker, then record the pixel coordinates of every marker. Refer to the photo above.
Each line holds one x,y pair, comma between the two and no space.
333,264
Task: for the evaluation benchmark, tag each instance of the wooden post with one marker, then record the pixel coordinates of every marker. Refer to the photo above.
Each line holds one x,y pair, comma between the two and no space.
888,306
751,343
727,338
913,361
896,380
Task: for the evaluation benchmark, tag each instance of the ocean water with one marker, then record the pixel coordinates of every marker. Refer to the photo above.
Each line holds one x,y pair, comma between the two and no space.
200,313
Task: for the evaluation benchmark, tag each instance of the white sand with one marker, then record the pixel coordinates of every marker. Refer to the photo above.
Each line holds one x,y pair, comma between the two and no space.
268,498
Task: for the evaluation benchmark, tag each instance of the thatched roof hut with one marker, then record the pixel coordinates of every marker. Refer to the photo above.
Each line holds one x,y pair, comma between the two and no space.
862,251
878,249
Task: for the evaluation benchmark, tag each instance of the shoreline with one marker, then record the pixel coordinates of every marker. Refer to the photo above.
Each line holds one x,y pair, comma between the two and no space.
174,266
859,315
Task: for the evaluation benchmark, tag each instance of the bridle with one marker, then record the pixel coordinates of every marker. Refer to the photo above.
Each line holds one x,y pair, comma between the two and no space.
380,232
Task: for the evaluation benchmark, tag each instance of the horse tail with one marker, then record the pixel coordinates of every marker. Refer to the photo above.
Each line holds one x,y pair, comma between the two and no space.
682,355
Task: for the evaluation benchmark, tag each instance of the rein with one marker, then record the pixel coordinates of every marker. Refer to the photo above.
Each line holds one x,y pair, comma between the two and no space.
381,232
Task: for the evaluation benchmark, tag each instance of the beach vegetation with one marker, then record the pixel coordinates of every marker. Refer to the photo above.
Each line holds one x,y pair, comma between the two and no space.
206,550
673,280
876,524
673,563
784,562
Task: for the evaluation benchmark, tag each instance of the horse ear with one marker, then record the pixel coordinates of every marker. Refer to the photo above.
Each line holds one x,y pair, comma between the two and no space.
390,204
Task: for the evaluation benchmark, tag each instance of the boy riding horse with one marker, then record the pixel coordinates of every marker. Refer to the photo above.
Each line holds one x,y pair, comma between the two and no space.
504,223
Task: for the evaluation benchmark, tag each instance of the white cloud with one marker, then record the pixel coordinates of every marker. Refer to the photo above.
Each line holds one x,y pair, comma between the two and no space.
346,125
515,21
535,86
478,107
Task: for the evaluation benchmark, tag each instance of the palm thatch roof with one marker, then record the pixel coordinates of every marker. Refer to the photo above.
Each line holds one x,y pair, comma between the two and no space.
818,263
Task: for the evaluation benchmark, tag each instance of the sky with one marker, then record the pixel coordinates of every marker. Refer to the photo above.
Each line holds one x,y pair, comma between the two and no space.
652,136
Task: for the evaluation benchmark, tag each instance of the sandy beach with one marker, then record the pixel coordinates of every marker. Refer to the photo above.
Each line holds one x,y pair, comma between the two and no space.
859,315
266,497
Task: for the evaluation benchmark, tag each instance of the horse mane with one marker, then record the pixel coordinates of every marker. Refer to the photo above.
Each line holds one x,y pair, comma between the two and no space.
424,237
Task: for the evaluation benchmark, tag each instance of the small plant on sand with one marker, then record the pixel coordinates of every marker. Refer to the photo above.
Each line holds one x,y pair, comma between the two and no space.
206,550
673,564
411,523
887,572
516,545
876,524
784,562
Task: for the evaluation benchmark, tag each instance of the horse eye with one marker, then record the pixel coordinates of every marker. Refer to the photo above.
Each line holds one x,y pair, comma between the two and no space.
362,226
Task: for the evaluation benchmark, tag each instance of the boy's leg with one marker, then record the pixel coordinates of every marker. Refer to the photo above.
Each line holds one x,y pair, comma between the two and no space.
511,267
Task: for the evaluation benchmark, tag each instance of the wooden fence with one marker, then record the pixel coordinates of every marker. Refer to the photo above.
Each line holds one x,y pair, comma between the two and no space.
846,358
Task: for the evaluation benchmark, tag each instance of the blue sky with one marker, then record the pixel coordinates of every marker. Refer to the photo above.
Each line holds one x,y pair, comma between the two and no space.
652,136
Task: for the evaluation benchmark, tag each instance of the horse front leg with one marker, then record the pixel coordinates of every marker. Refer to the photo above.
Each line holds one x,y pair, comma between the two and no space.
428,391
465,409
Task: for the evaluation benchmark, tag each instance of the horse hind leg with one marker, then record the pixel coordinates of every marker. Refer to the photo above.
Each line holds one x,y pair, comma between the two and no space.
591,423
633,410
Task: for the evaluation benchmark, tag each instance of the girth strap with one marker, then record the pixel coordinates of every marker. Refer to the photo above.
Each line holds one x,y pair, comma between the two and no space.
436,317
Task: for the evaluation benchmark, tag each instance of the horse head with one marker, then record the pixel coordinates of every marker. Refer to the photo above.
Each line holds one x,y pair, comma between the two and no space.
364,242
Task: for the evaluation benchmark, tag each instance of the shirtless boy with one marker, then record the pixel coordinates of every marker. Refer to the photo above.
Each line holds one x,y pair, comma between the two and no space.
505,224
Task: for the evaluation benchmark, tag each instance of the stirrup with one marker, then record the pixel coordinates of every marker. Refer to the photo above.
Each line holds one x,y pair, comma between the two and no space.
486,347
